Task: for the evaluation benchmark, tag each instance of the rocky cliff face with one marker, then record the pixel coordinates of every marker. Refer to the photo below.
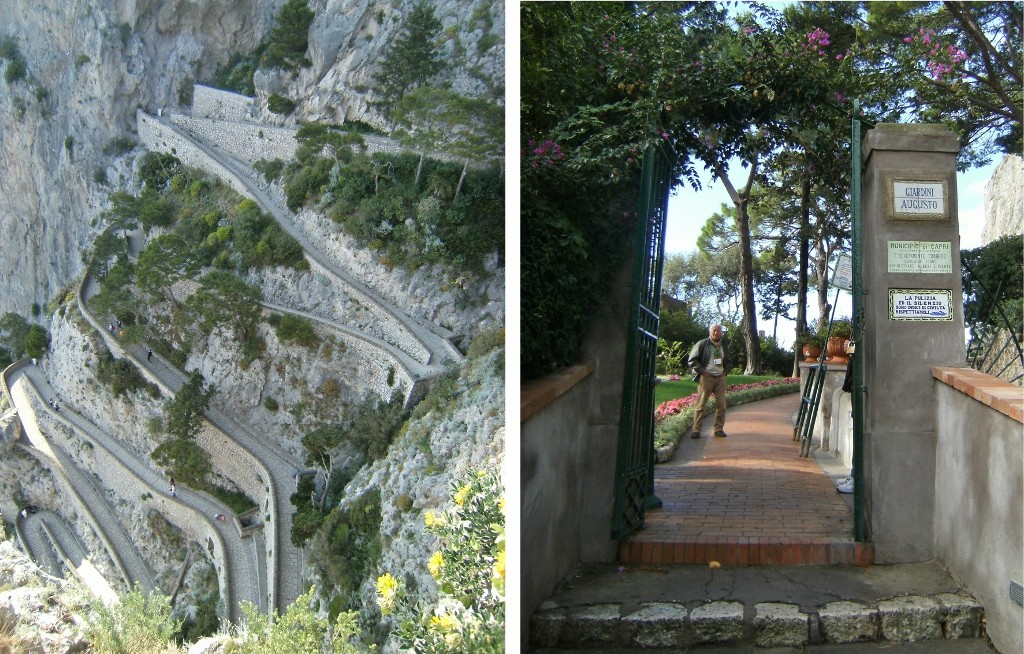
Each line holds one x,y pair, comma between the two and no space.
91,63
1004,200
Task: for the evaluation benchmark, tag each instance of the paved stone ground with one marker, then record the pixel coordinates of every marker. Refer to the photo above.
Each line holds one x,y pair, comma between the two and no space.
746,499
973,646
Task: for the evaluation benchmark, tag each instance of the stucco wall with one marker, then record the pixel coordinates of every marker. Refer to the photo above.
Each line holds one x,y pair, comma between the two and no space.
553,449
979,492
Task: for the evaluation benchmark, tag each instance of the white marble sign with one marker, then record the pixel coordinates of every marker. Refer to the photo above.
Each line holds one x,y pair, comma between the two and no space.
918,199
920,257
920,304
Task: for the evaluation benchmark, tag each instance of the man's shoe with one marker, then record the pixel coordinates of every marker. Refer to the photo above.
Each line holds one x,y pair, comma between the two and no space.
721,434
695,434
846,487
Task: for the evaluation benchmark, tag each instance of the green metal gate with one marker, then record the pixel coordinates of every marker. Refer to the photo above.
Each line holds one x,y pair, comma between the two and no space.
634,467
857,396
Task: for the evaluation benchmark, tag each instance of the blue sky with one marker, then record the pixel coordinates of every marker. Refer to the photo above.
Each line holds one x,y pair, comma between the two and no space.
688,210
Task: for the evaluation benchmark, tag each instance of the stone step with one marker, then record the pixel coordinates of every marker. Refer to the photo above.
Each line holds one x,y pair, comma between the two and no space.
679,625
732,550
962,646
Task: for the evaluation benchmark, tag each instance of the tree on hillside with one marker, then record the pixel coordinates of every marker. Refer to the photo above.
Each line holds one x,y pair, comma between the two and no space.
437,120
124,210
289,40
186,411
321,447
414,57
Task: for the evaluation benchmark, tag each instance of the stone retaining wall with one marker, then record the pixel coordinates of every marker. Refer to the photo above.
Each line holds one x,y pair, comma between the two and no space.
247,141
229,458
208,102
128,486
158,137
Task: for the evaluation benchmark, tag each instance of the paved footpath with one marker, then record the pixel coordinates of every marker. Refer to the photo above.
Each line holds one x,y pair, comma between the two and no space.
746,499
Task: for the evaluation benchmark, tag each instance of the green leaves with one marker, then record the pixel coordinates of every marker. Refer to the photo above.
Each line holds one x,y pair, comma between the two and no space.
414,57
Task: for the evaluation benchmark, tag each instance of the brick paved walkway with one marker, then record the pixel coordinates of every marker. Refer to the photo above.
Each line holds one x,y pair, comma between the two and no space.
748,499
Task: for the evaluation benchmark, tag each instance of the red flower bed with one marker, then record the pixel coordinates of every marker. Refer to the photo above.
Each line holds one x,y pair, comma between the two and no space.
672,407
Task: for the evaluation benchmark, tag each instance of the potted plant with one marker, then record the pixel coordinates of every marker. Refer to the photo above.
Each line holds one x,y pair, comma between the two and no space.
842,331
810,343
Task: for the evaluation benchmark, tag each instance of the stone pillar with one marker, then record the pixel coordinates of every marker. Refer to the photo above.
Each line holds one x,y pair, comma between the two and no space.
913,321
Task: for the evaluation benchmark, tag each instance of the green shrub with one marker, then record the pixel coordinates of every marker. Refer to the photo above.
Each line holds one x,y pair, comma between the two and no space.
122,377
157,168
185,461
81,60
99,175
271,404
118,145
271,169
16,69
347,547
297,329
139,622
235,500
279,104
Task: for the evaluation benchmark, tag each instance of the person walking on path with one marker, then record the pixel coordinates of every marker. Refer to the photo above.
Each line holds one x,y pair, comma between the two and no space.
173,493
709,362
149,356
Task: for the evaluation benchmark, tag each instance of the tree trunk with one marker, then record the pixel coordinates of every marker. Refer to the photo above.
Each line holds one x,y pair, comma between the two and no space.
801,292
419,168
462,178
751,342
750,338
821,268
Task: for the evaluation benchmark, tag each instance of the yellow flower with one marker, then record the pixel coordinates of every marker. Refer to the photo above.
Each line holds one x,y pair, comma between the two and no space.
387,588
499,565
443,623
481,474
435,564
462,494
430,519
501,503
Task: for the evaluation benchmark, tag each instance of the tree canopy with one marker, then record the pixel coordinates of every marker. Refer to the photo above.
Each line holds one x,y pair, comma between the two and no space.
709,84
414,57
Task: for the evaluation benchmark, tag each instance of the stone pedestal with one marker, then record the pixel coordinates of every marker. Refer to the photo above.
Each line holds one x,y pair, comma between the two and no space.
913,321
835,373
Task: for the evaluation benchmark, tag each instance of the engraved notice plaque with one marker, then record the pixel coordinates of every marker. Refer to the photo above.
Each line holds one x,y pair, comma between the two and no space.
918,199
920,304
920,256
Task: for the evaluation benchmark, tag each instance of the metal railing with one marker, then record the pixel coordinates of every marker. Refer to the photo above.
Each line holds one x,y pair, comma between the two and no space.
993,335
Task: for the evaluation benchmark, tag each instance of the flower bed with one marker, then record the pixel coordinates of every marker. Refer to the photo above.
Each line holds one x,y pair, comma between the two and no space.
674,418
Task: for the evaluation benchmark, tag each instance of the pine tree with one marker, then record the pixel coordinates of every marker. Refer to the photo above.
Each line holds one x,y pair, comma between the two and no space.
414,58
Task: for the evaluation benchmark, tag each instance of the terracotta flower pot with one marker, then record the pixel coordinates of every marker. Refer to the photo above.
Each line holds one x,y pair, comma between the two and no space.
811,352
836,350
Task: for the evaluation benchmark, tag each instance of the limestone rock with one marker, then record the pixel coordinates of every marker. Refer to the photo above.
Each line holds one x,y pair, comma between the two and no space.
1004,200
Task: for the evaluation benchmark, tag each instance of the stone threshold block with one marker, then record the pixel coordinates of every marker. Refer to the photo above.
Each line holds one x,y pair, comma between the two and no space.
962,616
595,624
658,624
718,622
546,625
848,622
910,618
780,625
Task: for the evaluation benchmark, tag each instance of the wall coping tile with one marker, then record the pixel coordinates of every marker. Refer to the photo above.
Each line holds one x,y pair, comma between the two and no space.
1002,396
537,394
